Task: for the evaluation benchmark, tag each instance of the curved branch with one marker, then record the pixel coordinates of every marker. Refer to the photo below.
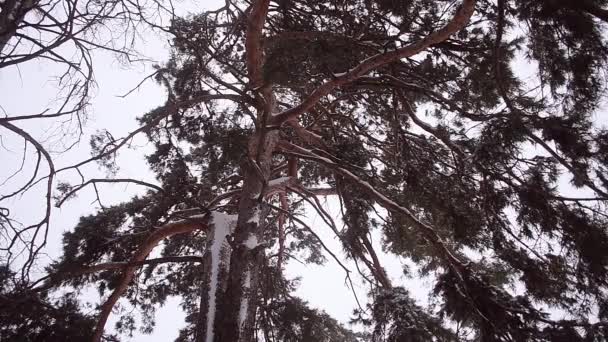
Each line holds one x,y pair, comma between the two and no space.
49,189
460,19
180,227
53,279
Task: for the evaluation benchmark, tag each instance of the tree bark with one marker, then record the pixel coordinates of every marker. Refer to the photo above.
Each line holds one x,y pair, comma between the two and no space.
215,270
238,301
13,12
236,297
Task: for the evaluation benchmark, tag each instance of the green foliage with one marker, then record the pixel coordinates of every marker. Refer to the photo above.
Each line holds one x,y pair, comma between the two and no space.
27,317
396,317
294,321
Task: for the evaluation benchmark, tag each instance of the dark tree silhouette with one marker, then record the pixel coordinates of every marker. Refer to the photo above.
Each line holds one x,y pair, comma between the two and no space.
413,116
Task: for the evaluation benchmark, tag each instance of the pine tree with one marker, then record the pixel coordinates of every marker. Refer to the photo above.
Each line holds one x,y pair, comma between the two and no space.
411,114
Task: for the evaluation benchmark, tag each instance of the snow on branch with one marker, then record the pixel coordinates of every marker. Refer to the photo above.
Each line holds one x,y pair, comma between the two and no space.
244,308
251,242
279,184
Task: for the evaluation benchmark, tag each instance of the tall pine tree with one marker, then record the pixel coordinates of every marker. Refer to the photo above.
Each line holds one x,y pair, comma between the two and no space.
414,116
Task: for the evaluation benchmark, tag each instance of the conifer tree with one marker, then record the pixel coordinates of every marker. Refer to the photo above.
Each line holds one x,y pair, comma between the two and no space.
415,117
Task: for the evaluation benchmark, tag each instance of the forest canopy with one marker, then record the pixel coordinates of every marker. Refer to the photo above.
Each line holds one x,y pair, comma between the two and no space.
467,135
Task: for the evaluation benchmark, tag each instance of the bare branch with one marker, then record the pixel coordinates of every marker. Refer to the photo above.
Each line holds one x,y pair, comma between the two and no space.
33,249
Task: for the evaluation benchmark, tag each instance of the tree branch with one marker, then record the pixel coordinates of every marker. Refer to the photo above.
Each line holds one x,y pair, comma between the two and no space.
460,19
179,227
100,180
253,41
168,109
53,279
427,231
47,215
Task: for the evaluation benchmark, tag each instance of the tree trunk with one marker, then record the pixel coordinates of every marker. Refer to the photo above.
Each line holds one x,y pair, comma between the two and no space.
236,305
235,302
215,269
247,257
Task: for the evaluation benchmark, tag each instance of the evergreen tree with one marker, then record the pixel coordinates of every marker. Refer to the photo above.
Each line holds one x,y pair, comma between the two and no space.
415,107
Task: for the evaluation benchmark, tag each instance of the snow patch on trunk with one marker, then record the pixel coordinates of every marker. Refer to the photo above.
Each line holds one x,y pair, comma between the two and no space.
251,242
255,218
222,225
